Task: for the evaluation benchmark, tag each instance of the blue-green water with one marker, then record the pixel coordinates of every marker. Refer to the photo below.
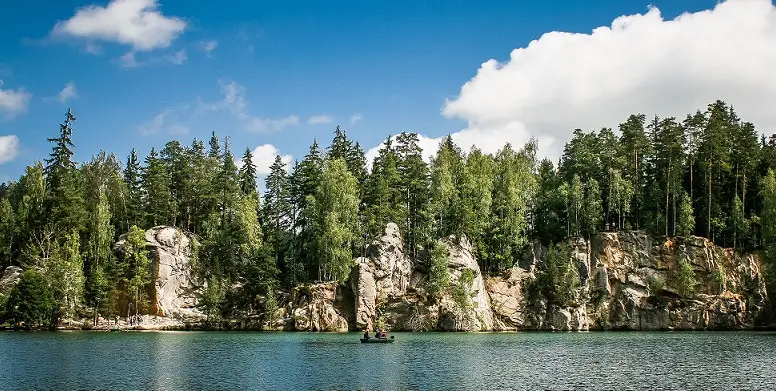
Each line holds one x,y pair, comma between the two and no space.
425,361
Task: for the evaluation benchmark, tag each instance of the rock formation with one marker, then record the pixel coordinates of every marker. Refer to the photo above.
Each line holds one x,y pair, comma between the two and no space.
175,290
10,278
628,281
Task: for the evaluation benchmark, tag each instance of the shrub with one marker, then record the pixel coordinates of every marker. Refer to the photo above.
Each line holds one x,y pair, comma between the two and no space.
685,278
438,275
461,290
720,278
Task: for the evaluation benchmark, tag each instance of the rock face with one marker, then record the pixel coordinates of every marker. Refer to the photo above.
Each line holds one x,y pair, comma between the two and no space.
175,291
318,307
382,276
628,281
11,277
477,315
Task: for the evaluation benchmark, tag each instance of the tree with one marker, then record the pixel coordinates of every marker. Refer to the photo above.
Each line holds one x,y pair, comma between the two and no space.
138,274
592,209
635,147
513,190
30,301
63,198
768,216
98,253
65,272
304,184
7,232
277,210
385,198
156,191
248,173
686,219
135,190
477,198
446,170
336,205
438,273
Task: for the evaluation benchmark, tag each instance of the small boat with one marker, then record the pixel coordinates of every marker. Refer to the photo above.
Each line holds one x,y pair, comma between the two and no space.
377,340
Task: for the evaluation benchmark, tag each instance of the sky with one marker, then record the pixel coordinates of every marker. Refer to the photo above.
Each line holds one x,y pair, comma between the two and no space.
273,76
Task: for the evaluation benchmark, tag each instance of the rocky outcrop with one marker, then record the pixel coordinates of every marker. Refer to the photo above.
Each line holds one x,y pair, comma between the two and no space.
175,290
318,307
10,278
475,312
628,281
506,298
382,276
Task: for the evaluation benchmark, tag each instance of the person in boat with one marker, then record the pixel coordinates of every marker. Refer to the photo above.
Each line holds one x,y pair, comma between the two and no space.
379,334
366,333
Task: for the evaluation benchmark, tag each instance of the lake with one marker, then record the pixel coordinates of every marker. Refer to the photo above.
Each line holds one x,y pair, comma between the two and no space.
419,361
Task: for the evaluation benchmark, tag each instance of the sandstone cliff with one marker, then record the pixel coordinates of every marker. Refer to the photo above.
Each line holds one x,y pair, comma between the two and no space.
624,281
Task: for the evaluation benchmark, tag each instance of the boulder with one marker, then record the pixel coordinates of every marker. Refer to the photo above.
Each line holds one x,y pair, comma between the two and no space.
11,277
313,309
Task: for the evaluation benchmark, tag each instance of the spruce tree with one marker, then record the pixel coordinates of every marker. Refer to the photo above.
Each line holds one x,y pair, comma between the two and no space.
132,179
248,173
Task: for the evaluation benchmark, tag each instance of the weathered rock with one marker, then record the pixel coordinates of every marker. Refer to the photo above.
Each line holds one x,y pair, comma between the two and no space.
175,290
507,301
11,277
382,276
478,314
314,309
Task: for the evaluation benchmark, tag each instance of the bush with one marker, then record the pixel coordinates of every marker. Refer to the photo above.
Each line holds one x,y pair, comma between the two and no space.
461,290
31,301
438,275
720,278
685,278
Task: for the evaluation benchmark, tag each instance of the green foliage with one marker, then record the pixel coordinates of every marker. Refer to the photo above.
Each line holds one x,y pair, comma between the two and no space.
719,277
136,274
684,278
438,274
336,206
558,278
460,293
30,301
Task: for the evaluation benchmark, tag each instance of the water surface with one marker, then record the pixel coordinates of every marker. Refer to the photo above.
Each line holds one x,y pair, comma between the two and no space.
423,361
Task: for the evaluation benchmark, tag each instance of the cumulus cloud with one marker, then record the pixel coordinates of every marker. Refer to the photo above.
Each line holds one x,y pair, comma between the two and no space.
234,102
642,63
208,46
9,148
164,122
13,102
356,118
67,93
138,23
264,156
320,119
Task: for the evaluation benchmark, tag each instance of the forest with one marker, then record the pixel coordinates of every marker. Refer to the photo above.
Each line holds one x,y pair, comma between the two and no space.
709,174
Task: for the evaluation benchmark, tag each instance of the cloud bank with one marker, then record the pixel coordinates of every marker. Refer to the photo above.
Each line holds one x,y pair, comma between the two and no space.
641,63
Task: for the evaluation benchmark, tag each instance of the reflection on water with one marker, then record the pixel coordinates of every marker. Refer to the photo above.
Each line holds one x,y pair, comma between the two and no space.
284,361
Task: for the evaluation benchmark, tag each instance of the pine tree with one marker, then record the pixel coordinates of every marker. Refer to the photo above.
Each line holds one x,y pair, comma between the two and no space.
446,172
414,187
156,191
636,149
248,173
686,219
277,211
135,190
64,193
304,183
384,199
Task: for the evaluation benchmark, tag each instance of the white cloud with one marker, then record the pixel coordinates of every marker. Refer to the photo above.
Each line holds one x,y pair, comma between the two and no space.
9,148
163,122
320,119
138,23
640,64
13,102
178,57
234,102
67,93
264,156
356,118
208,46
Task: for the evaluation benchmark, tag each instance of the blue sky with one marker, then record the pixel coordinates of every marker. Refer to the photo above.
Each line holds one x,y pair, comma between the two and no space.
279,74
